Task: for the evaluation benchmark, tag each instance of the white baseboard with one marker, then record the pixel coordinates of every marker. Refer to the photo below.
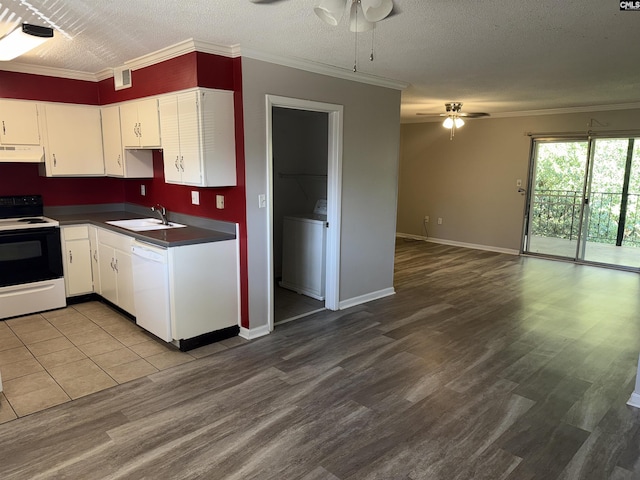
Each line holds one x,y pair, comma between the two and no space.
453,243
352,302
634,400
251,333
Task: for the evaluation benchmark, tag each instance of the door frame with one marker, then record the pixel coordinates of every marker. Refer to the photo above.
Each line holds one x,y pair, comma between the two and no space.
334,194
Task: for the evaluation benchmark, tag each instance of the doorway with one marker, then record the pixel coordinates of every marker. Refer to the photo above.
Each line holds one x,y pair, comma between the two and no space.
584,201
304,140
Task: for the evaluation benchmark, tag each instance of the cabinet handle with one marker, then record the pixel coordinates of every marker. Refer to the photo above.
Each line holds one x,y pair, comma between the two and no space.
95,255
70,257
4,130
55,161
112,266
177,167
182,163
116,266
119,162
140,130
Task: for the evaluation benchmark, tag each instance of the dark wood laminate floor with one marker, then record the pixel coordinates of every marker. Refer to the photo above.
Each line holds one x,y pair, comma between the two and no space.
482,366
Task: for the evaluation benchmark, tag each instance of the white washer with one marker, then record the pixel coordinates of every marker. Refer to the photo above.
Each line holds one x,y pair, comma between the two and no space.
304,242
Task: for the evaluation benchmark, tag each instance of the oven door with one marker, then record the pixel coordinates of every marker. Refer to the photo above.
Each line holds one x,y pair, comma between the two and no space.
30,255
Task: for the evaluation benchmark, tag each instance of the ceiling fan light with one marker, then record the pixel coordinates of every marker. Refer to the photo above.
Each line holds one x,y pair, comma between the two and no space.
357,20
458,122
330,11
376,10
22,39
448,122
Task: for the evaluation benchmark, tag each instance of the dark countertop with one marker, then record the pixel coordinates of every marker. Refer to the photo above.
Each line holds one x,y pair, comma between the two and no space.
172,237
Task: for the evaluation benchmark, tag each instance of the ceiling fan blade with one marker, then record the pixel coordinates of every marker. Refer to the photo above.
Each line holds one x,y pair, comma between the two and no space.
265,2
473,114
432,114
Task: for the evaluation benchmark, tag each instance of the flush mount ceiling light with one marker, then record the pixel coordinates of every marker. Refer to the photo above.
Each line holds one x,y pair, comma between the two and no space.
363,15
454,115
24,38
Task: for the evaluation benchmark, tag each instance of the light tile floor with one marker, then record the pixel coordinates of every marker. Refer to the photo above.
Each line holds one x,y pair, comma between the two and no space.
54,357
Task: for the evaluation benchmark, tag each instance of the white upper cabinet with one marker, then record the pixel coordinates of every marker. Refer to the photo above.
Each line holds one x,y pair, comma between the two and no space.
74,140
198,138
119,162
140,124
19,123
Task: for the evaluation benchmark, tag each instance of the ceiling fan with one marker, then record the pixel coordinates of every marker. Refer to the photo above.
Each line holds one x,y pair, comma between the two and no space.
454,116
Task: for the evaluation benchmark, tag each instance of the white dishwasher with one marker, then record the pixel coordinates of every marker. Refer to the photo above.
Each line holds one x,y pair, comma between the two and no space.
151,288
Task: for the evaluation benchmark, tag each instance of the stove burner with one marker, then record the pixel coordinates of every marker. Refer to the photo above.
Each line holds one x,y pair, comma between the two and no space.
32,220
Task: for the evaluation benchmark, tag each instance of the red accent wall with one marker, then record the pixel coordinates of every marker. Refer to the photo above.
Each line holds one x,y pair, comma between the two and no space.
169,76
23,179
187,71
25,86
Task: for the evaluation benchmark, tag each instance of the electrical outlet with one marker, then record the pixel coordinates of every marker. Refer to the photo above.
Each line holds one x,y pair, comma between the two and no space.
439,221
220,201
426,219
518,183
195,197
143,190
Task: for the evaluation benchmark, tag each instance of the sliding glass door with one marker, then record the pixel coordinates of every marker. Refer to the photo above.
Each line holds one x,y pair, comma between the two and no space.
611,216
555,197
584,201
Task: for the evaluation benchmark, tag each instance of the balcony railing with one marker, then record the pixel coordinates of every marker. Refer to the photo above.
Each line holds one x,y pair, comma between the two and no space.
556,213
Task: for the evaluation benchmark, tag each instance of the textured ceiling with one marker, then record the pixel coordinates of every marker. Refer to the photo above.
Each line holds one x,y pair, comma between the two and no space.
495,56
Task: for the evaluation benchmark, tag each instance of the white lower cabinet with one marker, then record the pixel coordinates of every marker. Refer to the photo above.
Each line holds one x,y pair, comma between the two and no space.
95,266
203,288
201,280
115,269
78,278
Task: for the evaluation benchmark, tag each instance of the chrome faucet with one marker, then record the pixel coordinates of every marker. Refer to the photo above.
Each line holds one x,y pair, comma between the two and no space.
162,212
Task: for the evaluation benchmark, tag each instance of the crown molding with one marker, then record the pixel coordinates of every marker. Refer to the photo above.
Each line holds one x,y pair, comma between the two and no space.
559,111
172,51
48,71
323,69
533,113
182,48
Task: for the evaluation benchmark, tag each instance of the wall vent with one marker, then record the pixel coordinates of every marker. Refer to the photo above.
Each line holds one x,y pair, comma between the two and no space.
122,78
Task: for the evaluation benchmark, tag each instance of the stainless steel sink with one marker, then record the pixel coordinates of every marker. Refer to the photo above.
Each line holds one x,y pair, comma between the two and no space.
144,224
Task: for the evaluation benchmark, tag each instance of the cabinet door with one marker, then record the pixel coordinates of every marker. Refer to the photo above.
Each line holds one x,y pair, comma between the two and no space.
124,274
219,148
75,140
170,139
190,141
108,283
112,141
95,264
19,123
129,125
78,262
149,123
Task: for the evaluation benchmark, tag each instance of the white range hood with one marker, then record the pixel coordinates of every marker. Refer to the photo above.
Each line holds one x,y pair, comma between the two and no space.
22,153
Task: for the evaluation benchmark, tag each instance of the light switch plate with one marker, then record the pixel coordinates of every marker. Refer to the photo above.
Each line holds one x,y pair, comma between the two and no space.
262,200
143,190
195,197
220,201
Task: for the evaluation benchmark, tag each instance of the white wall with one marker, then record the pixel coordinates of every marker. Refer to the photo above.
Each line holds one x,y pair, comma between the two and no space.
369,176
470,181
